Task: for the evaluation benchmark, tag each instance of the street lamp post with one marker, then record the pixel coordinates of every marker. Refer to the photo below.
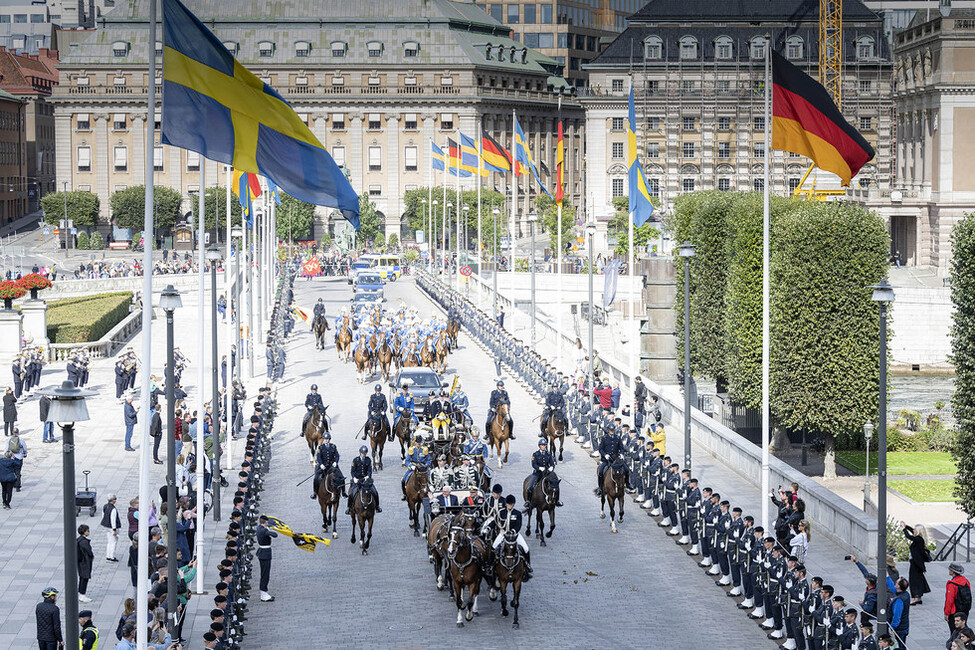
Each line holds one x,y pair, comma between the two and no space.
68,407
687,252
496,213
532,220
883,294
867,434
214,257
170,302
426,231
590,234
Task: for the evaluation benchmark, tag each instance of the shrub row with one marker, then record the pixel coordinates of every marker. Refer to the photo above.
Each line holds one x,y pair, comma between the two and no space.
86,319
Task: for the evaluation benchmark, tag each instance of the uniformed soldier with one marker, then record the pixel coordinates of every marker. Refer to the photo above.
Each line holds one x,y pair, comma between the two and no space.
683,487
264,535
18,372
377,409
441,419
440,475
543,463
319,308
466,476
798,593
867,640
475,448
360,472
554,405
459,405
326,459
750,571
735,533
417,456
403,405
820,610
312,401
719,549
692,501
652,472
511,520
776,600
432,408
610,451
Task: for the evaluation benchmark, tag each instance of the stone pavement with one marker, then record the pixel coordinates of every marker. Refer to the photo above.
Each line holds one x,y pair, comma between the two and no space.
31,533
591,588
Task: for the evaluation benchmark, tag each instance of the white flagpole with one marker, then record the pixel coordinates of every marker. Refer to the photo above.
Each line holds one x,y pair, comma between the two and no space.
428,229
201,459
558,253
634,362
229,281
245,315
443,213
514,208
766,218
142,581
480,181
456,268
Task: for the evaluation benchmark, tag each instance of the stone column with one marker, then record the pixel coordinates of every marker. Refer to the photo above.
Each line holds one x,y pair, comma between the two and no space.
426,151
100,162
11,335
35,321
355,151
138,161
394,193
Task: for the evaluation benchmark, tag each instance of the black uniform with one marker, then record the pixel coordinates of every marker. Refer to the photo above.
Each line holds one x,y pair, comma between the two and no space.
610,450
326,458
360,472
264,535
541,462
378,407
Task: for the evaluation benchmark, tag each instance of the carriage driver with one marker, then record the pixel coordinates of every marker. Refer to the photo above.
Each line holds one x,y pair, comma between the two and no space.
510,520
610,451
361,470
542,462
326,458
377,409
439,409
499,396
417,456
403,404
554,403
312,401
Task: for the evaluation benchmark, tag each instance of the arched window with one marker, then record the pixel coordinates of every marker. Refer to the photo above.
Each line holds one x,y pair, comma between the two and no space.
688,47
756,47
232,46
265,49
653,48
374,48
119,48
411,49
866,47
339,48
794,48
724,48
302,48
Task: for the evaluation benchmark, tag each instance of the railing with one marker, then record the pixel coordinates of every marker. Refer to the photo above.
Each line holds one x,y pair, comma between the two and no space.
107,346
374,90
300,90
951,545
410,90
446,90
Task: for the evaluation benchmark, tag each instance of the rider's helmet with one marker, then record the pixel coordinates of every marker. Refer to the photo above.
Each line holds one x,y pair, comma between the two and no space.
319,300
542,442
458,384
379,388
417,437
443,393
406,386
432,394
497,489
500,384
474,432
49,592
326,436
510,500
363,450
314,386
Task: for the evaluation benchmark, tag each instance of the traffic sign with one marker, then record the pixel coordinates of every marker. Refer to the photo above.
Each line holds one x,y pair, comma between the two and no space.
47,231
465,271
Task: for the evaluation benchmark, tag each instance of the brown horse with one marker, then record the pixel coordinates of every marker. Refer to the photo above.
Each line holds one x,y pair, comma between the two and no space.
543,498
416,489
465,555
378,431
613,490
363,360
384,354
319,326
343,340
500,432
329,498
437,542
554,428
404,429
428,353
509,568
363,512
440,350
453,332
409,359
315,428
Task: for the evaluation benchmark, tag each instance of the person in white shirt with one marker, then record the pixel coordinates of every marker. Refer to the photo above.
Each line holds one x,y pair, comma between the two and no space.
112,524
799,544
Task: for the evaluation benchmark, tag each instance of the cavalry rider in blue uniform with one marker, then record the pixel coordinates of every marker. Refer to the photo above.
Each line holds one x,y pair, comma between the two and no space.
610,450
403,404
361,470
417,456
477,450
326,458
459,404
542,463
377,409
499,396
312,401
554,404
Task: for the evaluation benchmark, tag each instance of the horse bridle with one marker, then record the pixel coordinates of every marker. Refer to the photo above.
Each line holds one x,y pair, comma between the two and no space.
452,555
550,497
509,543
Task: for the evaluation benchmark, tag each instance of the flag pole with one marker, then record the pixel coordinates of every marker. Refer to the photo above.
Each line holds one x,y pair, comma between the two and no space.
480,181
229,281
142,587
428,231
765,285
200,367
246,320
514,208
558,253
443,212
456,266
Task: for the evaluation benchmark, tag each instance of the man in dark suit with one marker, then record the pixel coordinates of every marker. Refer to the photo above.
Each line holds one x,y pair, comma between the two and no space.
446,498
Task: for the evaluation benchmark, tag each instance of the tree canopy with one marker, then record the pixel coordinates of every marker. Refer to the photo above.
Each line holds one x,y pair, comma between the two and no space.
215,205
295,218
128,206
82,207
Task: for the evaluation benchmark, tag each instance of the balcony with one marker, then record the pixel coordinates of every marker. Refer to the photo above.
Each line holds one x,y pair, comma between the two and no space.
410,90
81,90
300,90
374,90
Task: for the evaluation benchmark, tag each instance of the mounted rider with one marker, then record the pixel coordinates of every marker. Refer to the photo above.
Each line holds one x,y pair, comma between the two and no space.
417,456
477,450
459,404
403,405
327,458
377,409
319,310
361,470
610,451
554,405
312,401
499,396
543,463
466,477
510,520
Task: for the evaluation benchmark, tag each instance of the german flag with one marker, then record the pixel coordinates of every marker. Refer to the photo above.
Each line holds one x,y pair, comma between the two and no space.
496,157
806,121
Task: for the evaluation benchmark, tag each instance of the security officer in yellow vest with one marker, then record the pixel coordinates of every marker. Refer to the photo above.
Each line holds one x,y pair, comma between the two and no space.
88,639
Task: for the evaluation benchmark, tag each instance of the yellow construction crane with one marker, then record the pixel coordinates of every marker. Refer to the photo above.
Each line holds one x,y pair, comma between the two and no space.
830,73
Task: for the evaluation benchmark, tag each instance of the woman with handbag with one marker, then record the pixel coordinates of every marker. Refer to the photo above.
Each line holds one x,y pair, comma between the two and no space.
920,556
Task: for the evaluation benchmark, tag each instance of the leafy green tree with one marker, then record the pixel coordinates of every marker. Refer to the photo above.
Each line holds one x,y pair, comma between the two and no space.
549,218
370,223
82,207
295,218
418,215
128,206
963,357
326,241
96,242
619,227
392,241
82,241
214,205
380,241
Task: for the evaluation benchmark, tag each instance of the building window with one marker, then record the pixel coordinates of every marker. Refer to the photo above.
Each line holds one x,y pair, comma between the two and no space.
339,48
617,123
530,14
653,123
758,184
84,159
617,187
411,49
375,190
866,123
374,48
793,47
338,81
20,18
756,48
37,18
653,184
375,121
865,182
723,86
866,86
653,48
409,122
724,150
546,41
687,184
192,161
157,120
617,85
688,150
119,122
794,184
513,14
84,122
688,85
409,81
338,155
375,159
865,47
5,19
120,48
497,12
688,47
121,159
758,124
688,124
410,157
446,121
724,123
563,41
758,149
546,14
446,81
265,49
338,121
653,150
302,48
531,40
232,47
617,151
375,81
157,159
723,48
724,184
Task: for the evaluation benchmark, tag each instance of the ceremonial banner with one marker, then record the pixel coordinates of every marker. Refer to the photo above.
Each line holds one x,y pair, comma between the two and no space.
304,541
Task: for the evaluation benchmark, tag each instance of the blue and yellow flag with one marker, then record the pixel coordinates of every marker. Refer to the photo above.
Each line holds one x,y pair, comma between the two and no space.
436,157
470,158
523,157
640,206
248,188
214,106
274,191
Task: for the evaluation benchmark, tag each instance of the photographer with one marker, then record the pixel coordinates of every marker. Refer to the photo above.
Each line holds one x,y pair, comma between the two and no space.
868,604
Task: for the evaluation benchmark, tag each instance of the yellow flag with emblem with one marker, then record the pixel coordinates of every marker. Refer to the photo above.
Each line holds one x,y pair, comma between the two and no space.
304,541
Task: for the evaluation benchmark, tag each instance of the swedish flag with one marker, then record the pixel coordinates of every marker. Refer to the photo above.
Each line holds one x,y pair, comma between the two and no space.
213,105
523,157
640,206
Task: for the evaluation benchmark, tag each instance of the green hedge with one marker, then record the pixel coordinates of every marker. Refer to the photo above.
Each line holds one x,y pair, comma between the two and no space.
963,357
85,319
